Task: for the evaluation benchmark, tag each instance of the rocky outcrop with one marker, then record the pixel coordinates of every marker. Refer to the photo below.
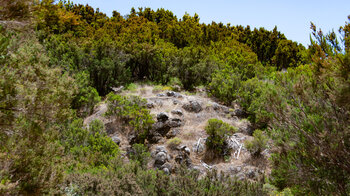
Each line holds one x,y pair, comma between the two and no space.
192,106
161,159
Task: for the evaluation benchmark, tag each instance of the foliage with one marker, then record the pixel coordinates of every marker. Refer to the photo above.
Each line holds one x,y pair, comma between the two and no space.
131,110
258,144
140,154
218,132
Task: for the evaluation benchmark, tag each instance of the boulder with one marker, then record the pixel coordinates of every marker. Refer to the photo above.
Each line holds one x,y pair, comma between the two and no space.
166,171
174,122
246,128
177,112
160,127
150,105
161,95
173,94
167,166
116,140
192,106
160,159
162,117
172,133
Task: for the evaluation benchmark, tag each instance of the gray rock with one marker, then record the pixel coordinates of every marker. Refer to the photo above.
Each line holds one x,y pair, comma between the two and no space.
160,159
174,122
116,140
251,173
173,94
161,149
166,171
240,113
186,150
161,95
150,105
167,166
246,128
175,102
172,133
177,112
192,106
161,128
162,117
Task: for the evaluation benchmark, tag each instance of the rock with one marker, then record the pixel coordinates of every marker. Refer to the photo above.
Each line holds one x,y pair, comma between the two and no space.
175,102
160,127
172,133
251,173
240,113
173,94
192,106
174,122
167,166
186,150
150,105
160,159
235,170
162,117
116,140
246,128
166,171
198,148
161,149
177,112
161,95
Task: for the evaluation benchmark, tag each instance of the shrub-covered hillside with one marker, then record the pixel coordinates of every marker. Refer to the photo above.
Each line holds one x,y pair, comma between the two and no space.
60,60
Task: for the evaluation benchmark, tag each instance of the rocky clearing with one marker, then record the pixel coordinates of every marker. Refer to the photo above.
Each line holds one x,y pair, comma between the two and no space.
186,116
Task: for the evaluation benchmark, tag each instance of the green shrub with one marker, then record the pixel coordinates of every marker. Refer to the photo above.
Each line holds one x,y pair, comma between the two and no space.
140,154
131,87
258,144
132,111
174,143
218,132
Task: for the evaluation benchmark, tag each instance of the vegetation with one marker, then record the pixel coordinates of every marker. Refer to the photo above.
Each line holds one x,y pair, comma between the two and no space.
62,59
218,133
174,143
257,145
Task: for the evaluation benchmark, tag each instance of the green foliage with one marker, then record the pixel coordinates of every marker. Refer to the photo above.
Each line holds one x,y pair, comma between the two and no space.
131,110
140,154
174,143
218,132
258,144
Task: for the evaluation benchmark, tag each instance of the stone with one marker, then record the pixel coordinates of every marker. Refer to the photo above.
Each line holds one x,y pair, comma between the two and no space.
240,113
162,117
160,127
174,122
246,128
116,140
172,133
150,105
192,106
251,173
173,94
161,95
167,166
166,171
161,149
175,102
177,112
160,159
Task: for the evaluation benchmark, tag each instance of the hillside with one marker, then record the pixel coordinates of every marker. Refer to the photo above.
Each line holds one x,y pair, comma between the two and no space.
155,104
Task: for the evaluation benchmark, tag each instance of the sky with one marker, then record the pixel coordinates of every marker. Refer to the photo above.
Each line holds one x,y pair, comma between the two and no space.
291,17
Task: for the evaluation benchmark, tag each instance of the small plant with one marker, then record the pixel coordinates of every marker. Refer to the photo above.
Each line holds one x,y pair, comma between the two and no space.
157,89
218,132
174,143
131,87
258,144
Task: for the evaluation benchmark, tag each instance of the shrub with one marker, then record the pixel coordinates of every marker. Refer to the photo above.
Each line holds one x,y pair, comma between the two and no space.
140,154
174,143
132,111
258,144
218,132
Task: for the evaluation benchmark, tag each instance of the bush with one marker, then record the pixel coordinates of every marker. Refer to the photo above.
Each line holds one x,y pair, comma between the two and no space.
174,143
258,144
140,154
132,111
218,132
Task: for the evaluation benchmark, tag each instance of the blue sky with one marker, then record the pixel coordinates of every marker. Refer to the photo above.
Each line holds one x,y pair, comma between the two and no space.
291,17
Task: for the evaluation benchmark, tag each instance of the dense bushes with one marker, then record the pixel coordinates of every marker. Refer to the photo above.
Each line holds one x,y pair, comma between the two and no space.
258,144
